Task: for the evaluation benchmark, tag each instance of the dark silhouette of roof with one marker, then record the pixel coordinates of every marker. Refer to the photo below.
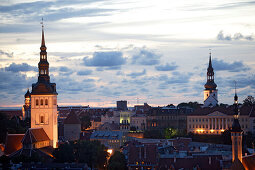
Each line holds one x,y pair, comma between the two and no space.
34,135
27,94
72,118
13,143
237,165
249,161
244,110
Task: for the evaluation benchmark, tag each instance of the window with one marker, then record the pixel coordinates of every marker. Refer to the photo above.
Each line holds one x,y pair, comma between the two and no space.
55,102
36,102
42,119
41,101
46,101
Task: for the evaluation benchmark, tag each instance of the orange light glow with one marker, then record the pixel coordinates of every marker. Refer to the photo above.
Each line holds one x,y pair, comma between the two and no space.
109,151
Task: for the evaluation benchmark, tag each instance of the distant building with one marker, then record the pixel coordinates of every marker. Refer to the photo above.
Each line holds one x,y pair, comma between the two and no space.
125,120
72,127
122,105
215,120
210,92
138,122
168,117
111,139
141,156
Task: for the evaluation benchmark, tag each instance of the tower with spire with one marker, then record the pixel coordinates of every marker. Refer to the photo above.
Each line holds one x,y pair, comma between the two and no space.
44,99
210,91
236,133
26,109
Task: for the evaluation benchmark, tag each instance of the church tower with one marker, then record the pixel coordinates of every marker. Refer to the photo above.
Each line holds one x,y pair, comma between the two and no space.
236,134
210,92
27,106
44,99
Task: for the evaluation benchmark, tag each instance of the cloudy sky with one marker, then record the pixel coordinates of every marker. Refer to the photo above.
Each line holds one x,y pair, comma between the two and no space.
101,51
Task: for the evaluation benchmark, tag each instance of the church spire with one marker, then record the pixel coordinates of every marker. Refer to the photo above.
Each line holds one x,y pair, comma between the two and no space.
43,65
210,85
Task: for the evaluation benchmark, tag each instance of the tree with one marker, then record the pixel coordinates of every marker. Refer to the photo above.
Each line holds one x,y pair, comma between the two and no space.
91,152
117,161
193,105
249,100
85,122
170,133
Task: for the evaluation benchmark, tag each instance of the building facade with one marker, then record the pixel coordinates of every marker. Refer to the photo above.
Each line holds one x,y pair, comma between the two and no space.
216,120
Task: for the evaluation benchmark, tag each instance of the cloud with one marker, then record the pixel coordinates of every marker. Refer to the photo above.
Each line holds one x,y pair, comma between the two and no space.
10,55
20,67
105,59
176,78
64,69
166,67
145,57
136,74
84,72
236,36
236,66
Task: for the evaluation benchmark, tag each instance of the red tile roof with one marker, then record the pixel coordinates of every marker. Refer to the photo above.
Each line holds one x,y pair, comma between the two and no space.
34,135
13,143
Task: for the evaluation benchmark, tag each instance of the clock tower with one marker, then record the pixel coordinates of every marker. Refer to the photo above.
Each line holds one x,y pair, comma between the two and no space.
44,99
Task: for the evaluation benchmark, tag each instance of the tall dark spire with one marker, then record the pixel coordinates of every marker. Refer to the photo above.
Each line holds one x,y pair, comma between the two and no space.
43,85
43,65
210,85
236,125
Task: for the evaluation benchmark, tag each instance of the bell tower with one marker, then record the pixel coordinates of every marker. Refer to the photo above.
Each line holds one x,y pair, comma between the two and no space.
236,133
210,91
44,99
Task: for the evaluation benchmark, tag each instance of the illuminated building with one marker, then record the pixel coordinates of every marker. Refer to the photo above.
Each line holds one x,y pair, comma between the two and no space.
214,120
210,92
44,99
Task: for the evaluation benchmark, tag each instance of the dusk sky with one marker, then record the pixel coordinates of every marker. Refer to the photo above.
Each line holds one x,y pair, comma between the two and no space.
101,51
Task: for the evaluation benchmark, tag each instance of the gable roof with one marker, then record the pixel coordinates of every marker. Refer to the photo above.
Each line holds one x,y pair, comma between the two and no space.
13,143
34,135
72,118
